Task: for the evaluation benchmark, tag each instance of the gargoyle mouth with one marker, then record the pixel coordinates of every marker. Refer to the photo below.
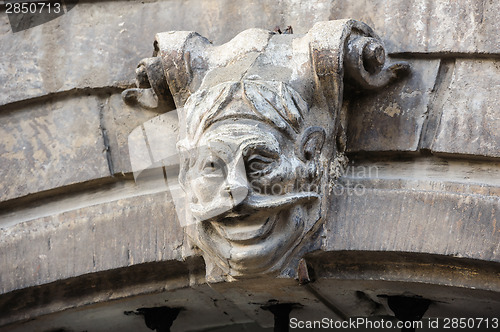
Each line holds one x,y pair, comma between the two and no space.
255,203
256,216
252,204
245,230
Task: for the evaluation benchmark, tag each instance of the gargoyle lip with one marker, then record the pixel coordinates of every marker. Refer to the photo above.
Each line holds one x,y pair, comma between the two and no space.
257,203
255,217
260,202
246,230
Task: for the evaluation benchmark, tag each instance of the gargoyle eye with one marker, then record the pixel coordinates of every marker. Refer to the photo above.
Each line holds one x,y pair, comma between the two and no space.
260,163
212,166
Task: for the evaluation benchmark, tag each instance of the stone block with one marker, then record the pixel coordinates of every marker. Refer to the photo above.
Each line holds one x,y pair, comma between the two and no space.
99,43
392,119
50,145
470,119
119,120
202,308
101,236
390,213
421,26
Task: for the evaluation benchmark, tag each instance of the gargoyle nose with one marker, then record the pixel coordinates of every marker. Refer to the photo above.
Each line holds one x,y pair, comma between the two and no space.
237,187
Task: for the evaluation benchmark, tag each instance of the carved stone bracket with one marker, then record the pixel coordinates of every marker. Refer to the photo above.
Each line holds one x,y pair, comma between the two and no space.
260,120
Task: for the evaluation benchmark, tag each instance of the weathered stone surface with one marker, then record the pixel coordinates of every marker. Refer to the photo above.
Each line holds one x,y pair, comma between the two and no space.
250,296
115,233
50,145
421,26
391,119
453,215
99,43
237,307
97,287
412,269
437,212
85,240
119,120
427,174
470,120
372,292
416,222
202,308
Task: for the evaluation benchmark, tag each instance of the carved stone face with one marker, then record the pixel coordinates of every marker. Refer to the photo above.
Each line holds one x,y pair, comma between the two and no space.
250,186
254,171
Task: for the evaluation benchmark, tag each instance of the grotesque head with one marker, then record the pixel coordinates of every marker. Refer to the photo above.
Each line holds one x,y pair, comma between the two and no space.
250,171
255,166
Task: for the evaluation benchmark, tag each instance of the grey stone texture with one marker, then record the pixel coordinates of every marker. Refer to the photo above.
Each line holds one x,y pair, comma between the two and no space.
99,43
421,26
392,119
431,205
68,141
349,281
446,106
77,230
453,224
120,120
470,121
213,308
49,145
119,231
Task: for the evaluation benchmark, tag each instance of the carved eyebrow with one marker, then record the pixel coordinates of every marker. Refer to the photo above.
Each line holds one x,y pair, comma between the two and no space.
261,149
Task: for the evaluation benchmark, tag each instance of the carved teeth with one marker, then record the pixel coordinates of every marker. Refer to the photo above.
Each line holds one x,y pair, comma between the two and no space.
245,231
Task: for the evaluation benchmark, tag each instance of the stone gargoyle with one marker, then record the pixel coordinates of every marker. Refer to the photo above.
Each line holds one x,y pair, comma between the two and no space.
261,134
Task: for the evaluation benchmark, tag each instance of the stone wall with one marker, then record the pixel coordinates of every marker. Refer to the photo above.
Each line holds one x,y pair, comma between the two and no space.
69,206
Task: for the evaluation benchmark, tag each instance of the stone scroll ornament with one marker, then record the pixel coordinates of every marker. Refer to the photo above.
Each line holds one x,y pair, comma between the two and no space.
262,134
